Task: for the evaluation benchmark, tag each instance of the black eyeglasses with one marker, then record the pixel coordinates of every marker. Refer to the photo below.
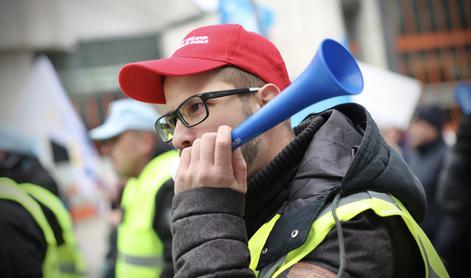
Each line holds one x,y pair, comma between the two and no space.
192,111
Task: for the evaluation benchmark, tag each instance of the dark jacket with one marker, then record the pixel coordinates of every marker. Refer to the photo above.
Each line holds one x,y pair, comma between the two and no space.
339,150
454,191
427,163
23,246
23,243
454,195
24,168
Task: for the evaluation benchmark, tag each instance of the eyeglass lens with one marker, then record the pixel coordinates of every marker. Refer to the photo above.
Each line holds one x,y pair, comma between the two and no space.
191,112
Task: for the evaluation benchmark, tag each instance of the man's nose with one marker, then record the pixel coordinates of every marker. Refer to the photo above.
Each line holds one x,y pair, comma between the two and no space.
182,136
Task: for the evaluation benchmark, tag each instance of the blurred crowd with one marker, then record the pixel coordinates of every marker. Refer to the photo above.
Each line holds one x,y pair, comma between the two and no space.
444,169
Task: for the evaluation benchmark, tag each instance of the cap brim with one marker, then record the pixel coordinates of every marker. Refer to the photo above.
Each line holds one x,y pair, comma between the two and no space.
105,132
143,80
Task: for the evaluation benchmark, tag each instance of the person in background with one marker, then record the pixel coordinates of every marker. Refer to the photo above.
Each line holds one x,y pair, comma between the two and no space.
313,201
114,218
454,194
143,234
427,159
395,138
35,226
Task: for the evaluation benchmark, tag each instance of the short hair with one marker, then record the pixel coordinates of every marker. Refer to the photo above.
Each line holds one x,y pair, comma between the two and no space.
242,79
239,78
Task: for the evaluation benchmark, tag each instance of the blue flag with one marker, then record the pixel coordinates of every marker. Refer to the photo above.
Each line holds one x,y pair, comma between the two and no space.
255,18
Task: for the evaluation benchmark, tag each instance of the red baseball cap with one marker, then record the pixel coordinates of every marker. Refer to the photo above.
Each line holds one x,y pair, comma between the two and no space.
202,50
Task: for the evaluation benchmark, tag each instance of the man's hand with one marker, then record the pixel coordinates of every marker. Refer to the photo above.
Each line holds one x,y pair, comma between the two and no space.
210,162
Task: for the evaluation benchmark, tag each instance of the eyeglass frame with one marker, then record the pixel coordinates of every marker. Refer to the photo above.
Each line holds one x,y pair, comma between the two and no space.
204,98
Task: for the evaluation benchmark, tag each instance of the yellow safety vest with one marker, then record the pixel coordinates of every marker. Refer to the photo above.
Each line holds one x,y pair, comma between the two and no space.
71,263
382,204
140,251
9,190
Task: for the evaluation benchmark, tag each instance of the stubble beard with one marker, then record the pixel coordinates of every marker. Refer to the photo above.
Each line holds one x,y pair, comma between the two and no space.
251,149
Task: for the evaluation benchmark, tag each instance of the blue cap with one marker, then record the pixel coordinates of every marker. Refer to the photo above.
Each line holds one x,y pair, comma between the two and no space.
123,115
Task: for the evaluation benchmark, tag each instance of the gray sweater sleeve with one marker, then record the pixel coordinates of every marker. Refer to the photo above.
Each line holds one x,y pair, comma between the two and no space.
209,236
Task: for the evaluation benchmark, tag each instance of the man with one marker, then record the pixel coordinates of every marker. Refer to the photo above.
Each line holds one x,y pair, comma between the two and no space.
143,237
427,159
36,227
278,189
29,246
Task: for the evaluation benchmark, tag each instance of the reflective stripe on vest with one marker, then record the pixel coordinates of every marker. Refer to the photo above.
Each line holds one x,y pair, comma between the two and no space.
71,263
140,249
155,261
9,190
382,204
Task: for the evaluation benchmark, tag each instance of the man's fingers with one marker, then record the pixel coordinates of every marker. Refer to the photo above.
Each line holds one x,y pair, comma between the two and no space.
195,153
223,148
210,161
183,164
185,158
207,149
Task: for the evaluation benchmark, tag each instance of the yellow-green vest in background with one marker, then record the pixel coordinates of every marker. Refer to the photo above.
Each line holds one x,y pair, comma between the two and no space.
71,262
10,190
382,204
140,251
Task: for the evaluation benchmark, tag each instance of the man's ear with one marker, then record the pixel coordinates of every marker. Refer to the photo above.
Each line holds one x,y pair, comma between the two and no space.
267,93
